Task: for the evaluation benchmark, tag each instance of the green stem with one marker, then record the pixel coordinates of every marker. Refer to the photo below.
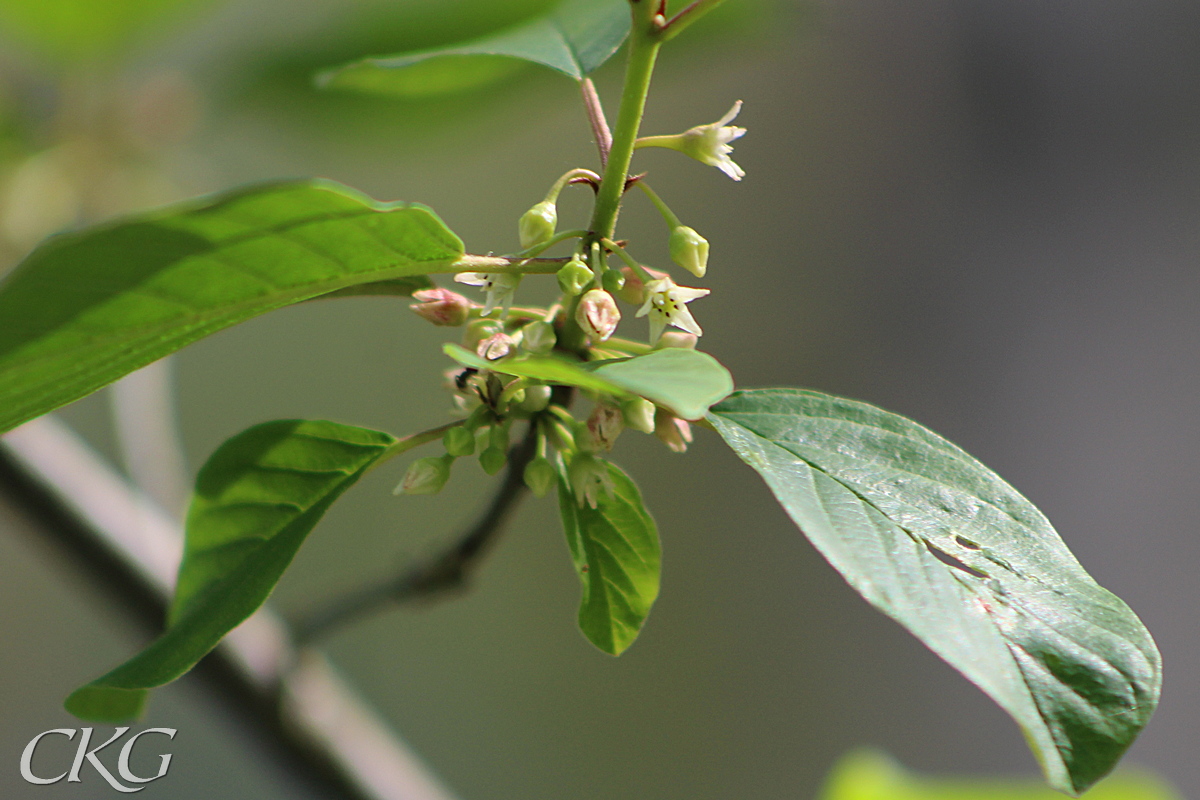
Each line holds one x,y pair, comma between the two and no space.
530,252
415,440
508,264
687,16
644,41
628,259
667,214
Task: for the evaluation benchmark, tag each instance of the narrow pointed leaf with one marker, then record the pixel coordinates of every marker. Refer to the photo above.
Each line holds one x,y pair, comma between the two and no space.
943,545
86,308
573,37
685,381
617,555
257,498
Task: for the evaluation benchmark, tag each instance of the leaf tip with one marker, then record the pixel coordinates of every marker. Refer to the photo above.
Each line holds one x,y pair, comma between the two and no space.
106,703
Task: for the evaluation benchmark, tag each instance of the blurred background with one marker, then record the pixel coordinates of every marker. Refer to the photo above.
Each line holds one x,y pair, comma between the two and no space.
981,215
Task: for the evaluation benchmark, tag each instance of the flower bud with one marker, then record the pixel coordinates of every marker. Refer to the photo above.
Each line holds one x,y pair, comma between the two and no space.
689,250
540,476
536,398
639,414
499,436
479,330
575,276
426,475
492,460
538,224
672,431
613,281
604,426
681,339
597,314
560,435
538,337
459,441
495,347
441,306
634,290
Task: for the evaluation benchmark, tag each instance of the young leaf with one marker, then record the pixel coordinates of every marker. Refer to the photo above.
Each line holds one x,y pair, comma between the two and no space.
574,37
616,552
256,500
684,381
940,543
86,308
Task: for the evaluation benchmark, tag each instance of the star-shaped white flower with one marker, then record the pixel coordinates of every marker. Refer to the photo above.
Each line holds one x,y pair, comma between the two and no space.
708,144
666,305
711,143
499,286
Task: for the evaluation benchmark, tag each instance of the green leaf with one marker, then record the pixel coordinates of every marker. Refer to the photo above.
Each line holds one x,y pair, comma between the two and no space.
867,775
943,545
573,37
256,500
86,308
685,381
77,29
617,555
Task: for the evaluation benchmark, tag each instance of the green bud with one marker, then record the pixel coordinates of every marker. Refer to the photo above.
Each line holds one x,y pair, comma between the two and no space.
499,437
426,475
479,330
639,414
613,281
492,460
536,398
538,337
459,441
689,250
575,276
540,476
537,224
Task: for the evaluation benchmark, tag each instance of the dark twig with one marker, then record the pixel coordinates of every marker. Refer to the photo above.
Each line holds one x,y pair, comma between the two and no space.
445,572
595,113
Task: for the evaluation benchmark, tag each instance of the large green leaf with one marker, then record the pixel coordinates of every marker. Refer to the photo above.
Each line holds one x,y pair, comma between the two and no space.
574,37
616,552
867,775
86,308
685,381
939,542
76,29
256,500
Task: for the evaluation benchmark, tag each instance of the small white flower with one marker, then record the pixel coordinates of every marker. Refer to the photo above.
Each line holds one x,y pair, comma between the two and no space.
666,305
708,144
499,286
589,478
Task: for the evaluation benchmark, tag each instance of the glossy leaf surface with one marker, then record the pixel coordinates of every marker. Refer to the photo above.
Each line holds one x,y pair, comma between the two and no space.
257,498
685,381
86,308
574,38
617,555
943,545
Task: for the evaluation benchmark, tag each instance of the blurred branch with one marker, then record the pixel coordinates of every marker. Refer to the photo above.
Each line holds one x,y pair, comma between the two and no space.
447,571
144,419
291,700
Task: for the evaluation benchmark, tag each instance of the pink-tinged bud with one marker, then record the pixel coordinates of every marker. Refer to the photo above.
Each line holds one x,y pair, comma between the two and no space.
604,426
495,347
680,339
634,290
597,314
672,431
442,306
